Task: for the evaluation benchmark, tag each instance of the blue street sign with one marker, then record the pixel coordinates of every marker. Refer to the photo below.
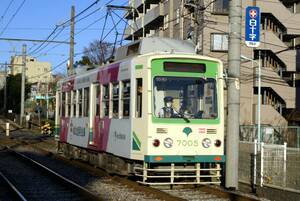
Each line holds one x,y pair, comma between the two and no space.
252,26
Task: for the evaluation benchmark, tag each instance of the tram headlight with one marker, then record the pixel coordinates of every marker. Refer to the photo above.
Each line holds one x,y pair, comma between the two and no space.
168,142
156,143
218,143
206,142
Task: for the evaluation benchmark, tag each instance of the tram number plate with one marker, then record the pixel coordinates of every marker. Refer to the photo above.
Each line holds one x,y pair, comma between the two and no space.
188,143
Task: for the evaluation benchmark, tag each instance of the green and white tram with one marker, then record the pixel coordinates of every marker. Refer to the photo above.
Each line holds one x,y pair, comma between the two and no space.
157,112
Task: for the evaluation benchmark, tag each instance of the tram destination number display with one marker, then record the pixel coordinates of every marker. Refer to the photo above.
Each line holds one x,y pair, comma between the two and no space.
184,67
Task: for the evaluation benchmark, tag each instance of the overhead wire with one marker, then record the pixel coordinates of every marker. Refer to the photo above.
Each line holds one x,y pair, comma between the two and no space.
63,26
5,11
83,29
12,17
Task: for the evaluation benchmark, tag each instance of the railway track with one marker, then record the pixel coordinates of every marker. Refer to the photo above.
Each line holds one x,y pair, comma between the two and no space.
26,179
118,188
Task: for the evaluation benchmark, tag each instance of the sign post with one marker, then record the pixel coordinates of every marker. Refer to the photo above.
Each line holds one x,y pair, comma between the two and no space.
252,40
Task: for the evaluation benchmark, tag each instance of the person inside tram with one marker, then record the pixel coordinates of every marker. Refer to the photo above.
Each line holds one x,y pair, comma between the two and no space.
168,110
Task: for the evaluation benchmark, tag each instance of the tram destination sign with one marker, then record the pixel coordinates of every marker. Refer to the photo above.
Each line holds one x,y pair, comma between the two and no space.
252,26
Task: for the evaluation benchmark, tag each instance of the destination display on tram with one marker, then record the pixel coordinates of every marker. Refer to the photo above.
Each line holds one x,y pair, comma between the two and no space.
184,67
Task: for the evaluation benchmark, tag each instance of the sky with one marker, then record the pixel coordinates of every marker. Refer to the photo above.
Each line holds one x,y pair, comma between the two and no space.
36,19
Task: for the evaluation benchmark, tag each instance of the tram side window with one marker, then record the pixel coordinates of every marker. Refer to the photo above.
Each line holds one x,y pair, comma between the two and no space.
139,95
115,100
63,103
79,105
86,101
59,107
126,98
98,88
105,100
73,104
68,104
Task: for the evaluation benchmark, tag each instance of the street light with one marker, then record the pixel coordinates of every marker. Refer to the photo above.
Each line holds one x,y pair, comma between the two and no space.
258,93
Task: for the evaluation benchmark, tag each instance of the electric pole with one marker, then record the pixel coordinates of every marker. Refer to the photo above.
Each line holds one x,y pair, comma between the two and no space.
71,60
199,17
23,83
5,88
233,97
47,100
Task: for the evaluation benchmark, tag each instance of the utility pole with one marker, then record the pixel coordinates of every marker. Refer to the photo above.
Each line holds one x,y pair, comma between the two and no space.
72,23
47,100
5,89
23,83
233,97
199,15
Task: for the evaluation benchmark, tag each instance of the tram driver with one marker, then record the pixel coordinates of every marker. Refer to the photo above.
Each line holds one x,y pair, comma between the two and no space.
168,110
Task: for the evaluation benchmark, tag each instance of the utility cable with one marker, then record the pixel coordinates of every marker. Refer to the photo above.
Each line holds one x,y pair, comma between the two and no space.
13,16
3,15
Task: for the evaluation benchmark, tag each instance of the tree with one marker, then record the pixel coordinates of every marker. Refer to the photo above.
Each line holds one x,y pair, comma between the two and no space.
14,92
98,52
84,61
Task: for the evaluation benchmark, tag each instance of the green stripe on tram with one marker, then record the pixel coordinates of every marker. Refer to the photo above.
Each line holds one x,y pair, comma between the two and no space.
136,143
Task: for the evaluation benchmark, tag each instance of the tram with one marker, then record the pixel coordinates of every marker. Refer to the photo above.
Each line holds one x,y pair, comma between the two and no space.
156,112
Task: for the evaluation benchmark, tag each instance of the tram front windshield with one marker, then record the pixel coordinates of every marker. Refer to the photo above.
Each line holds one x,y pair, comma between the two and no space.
185,97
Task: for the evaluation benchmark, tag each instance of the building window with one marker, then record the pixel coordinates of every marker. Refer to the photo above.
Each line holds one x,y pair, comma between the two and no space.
221,7
219,42
166,21
177,15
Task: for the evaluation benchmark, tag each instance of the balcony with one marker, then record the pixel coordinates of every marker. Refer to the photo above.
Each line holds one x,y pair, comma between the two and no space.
282,13
152,20
269,116
270,79
270,41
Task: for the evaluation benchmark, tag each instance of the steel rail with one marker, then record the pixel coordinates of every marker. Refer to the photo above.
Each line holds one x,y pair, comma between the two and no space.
12,187
83,191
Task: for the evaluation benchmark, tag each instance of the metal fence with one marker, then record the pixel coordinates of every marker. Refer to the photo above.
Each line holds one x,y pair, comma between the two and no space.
272,135
269,165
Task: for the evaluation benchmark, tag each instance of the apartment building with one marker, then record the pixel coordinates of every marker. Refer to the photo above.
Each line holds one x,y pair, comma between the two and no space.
280,31
36,71
38,74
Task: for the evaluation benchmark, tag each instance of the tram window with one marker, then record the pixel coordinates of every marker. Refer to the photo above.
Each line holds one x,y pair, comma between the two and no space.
139,95
98,88
68,102
59,107
105,100
86,101
126,98
73,103
115,100
79,103
63,103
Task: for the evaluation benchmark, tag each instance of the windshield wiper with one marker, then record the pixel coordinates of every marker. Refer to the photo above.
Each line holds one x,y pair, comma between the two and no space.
185,118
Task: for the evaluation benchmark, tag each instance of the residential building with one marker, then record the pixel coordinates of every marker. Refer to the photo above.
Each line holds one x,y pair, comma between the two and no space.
36,71
280,31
